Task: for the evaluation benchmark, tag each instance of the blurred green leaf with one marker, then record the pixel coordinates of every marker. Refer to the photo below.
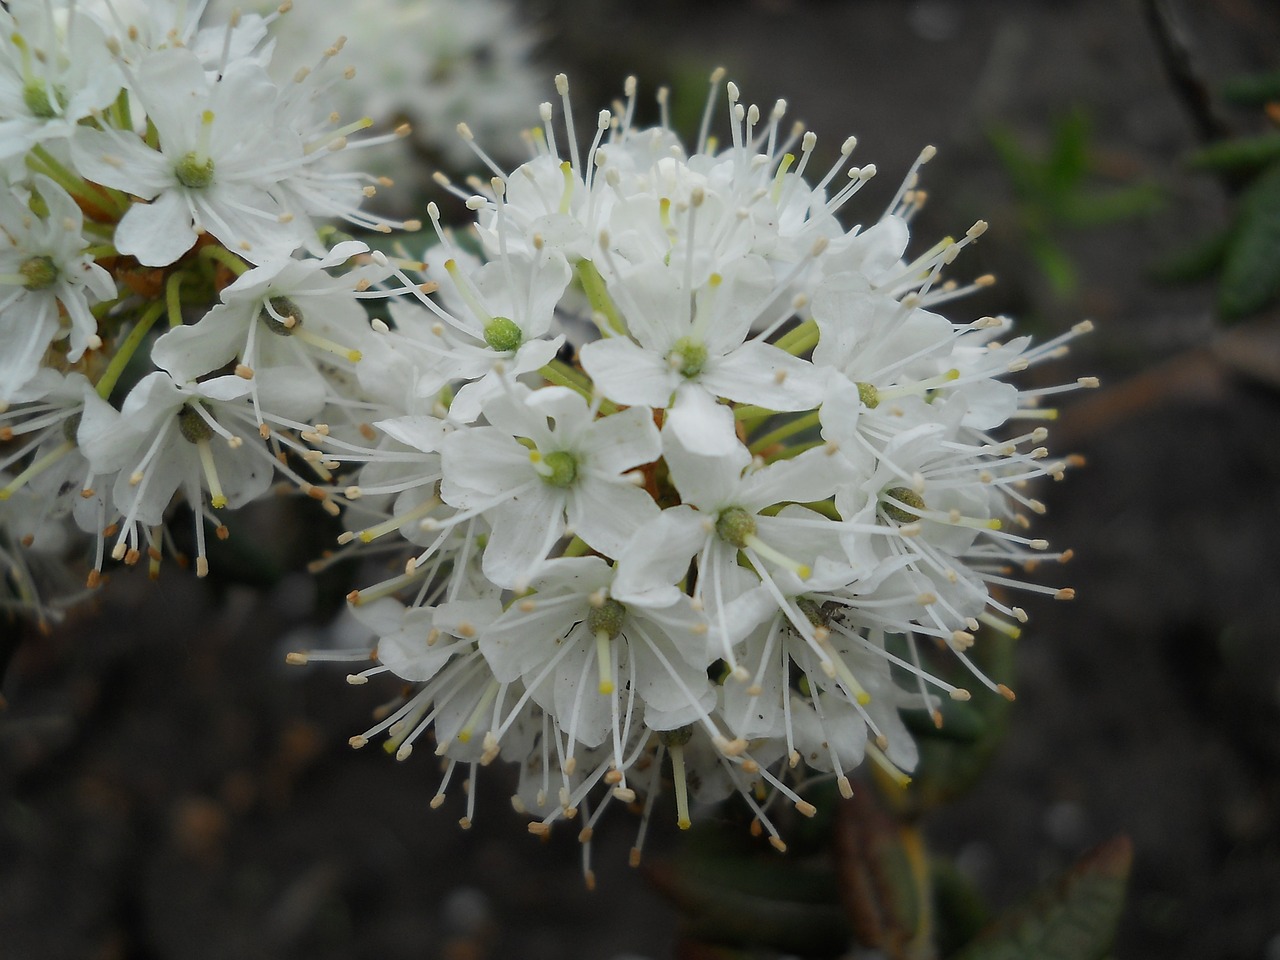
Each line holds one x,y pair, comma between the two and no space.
1053,263
1242,156
1023,170
1253,90
959,912
1053,192
1195,263
1251,270
954,756
1099,209
734,894
1068,160
1075,919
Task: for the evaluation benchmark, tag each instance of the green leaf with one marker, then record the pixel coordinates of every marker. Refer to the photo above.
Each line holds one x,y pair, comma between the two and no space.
1023,169
1244,155
1069,157
1251,271
731,894
1253,90
1054,263
1098,209
1075,919
959,913
1194,263
954,756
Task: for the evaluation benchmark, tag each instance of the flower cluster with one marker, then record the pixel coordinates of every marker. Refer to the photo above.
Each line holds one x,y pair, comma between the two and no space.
431,62
151,169
676,471
681,469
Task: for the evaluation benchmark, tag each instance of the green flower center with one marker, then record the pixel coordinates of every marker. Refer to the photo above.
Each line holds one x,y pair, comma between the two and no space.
902,495
39,273
816,613
607,617
503,335
735,526
869,395
563,469
677,737
194,171
687,357
192,426
285,308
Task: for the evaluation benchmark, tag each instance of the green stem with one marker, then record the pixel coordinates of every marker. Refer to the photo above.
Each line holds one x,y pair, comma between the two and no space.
100,250
121,113
173,299
786,430
75,184
563,375
593,286
64,178
801,339
111,377
225,257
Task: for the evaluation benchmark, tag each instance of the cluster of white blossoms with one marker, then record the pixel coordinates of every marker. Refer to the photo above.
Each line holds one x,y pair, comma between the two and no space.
675,472
433,63
166,213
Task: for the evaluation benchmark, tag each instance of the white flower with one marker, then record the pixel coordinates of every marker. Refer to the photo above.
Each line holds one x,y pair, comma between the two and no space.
165,438
54,72
45,273
287,318
434,62
727,520
587,658
570,477
688,351
492,318
220,153
137,27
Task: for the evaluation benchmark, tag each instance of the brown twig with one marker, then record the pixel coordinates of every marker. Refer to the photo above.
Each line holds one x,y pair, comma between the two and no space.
1179,66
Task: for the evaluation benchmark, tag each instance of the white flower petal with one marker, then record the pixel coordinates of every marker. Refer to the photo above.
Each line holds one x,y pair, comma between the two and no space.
157,233
629,374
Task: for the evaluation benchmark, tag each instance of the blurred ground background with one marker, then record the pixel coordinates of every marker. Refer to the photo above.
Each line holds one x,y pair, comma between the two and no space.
168,789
